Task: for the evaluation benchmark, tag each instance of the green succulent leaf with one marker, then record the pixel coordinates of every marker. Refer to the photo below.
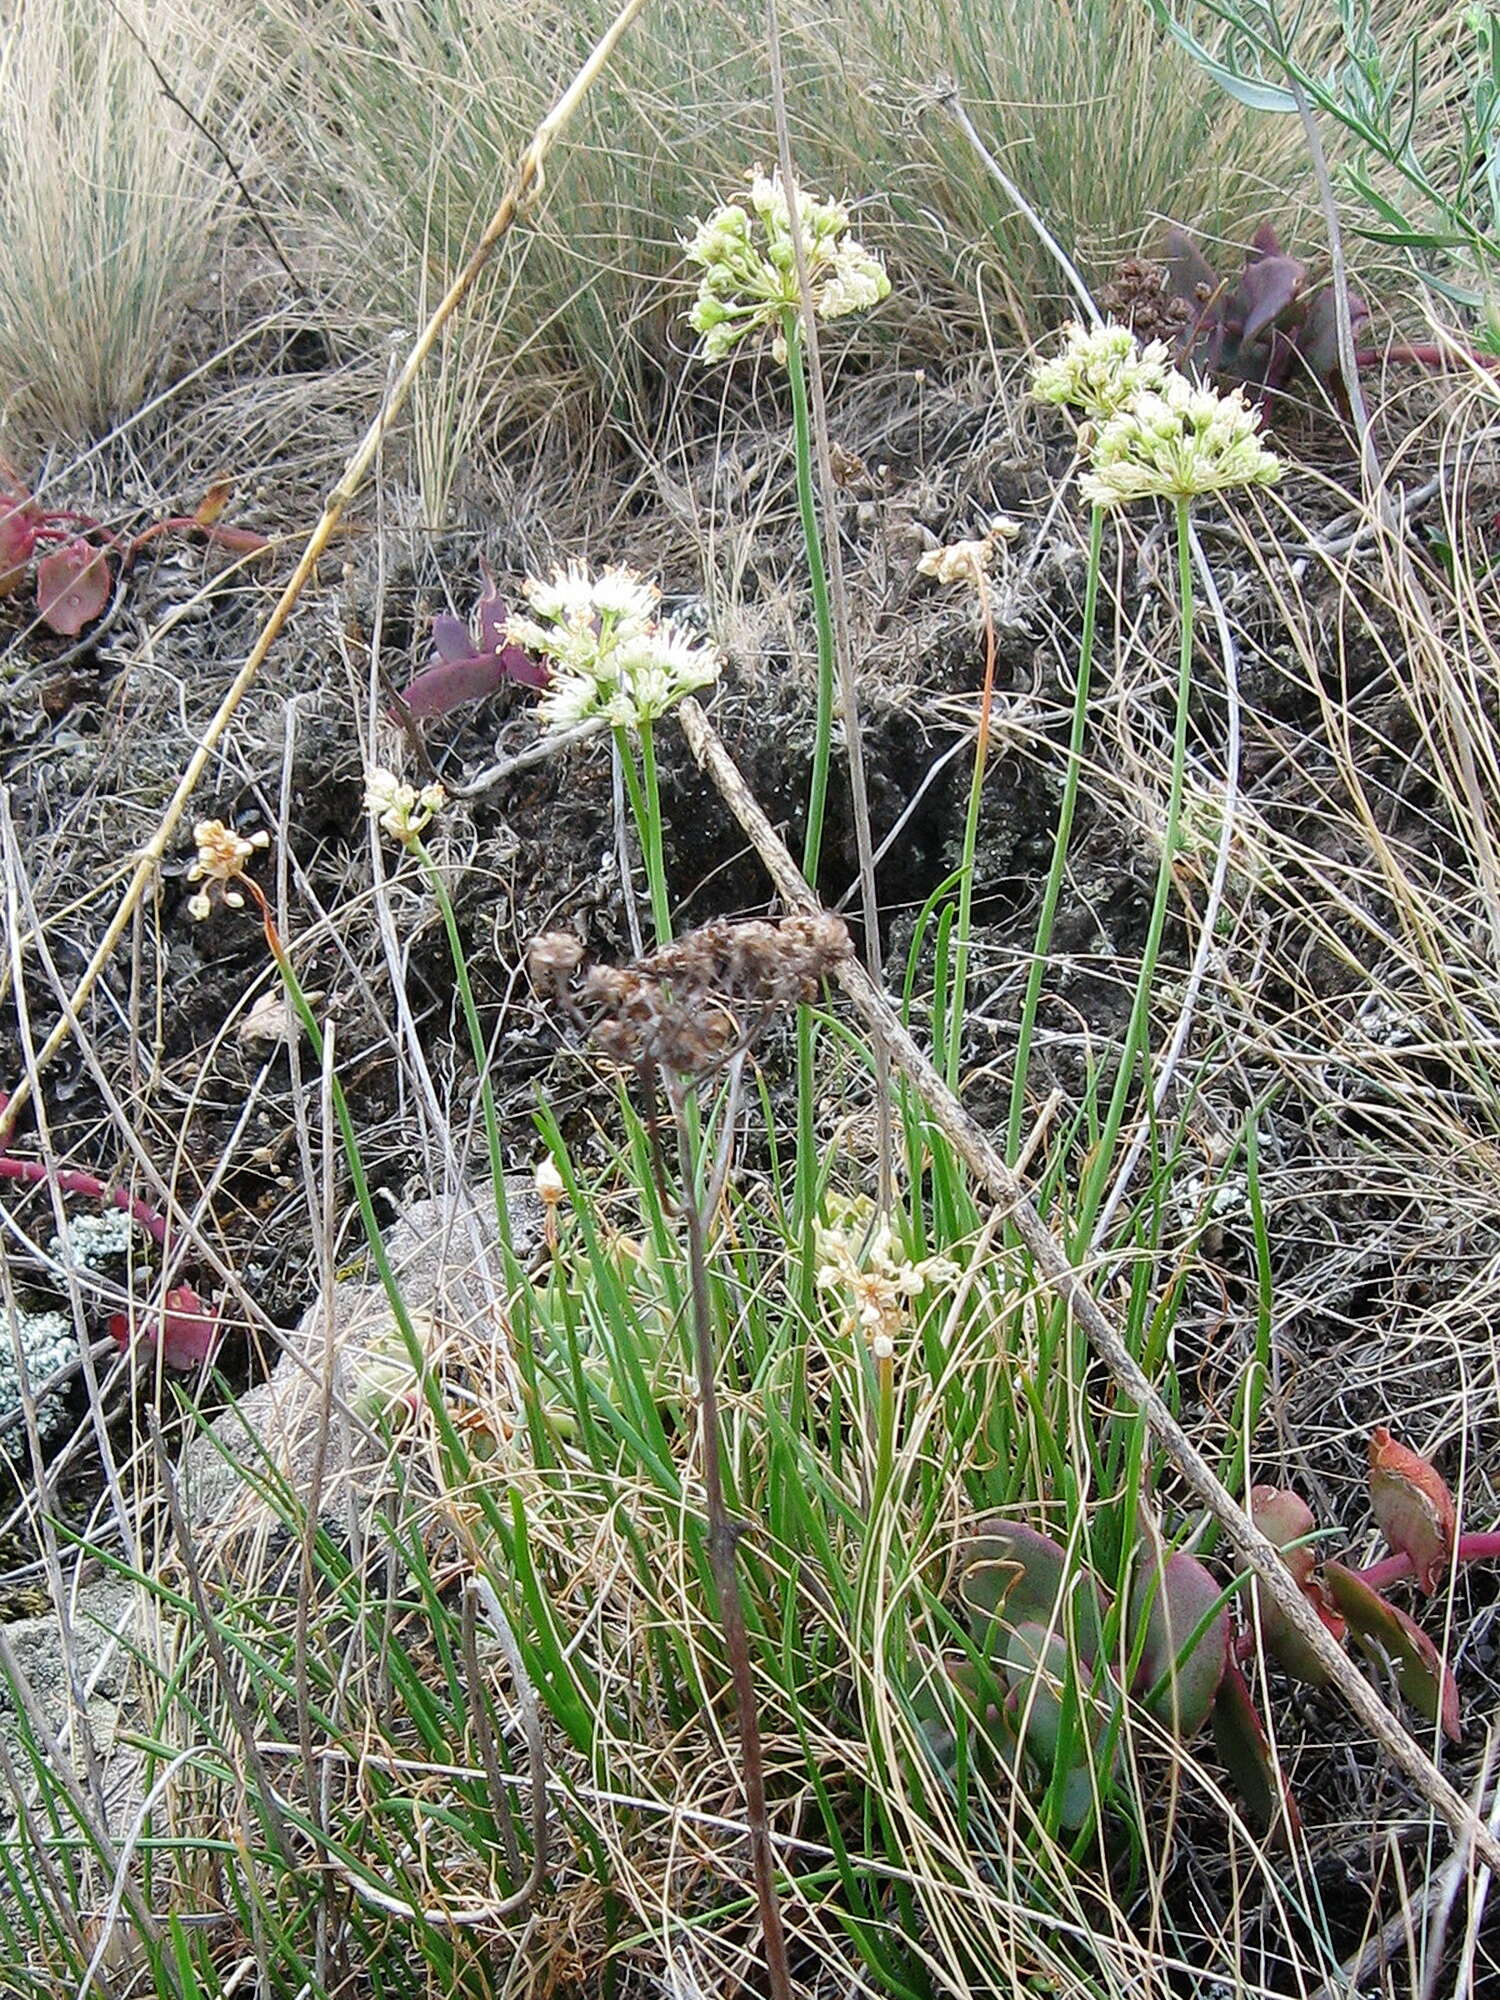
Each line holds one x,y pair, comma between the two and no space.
1019,1576
1187,1641
1240,1739
1386,1635
1068,1735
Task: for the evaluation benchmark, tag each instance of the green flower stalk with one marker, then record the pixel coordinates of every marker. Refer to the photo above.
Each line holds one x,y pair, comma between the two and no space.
747,254
1150,432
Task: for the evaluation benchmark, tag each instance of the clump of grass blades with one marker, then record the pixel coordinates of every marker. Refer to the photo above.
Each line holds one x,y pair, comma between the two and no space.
397,117
109,200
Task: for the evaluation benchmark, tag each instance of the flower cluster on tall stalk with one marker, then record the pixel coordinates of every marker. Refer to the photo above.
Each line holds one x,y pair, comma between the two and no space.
1146,432
764,263
613,657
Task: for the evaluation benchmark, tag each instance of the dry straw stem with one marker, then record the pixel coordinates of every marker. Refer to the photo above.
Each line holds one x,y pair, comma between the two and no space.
975,1146
525,185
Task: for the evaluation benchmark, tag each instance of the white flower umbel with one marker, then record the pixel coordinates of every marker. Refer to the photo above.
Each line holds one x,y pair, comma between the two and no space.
403,811
871,1273
611,656
746,253
1100,371
1177,443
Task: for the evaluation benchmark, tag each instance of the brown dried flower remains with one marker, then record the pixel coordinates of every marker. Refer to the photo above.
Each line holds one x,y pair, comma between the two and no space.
1139,296
695,1002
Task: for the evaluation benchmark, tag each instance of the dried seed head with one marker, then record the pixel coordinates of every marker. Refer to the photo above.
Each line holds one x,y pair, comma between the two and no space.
689,1005
552,960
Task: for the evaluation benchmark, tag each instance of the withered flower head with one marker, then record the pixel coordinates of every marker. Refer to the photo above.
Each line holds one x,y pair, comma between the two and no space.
690,1005
552,959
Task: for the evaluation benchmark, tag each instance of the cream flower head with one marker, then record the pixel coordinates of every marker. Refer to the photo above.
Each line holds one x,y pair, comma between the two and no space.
1176,443
1100,371
402,810
611,656
221,860
749,263
872,1275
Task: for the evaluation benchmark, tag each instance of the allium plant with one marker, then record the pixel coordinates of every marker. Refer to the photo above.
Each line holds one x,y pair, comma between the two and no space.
746,253
1148,433
750,284
612,657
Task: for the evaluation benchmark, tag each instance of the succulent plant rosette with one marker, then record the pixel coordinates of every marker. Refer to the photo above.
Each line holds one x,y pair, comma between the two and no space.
1051,1668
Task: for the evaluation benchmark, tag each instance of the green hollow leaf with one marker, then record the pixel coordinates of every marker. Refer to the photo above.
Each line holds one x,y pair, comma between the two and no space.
1387,1636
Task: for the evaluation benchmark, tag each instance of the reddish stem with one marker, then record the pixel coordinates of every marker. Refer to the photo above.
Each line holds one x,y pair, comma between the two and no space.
244,539
1481,1547
73,1180
1432,356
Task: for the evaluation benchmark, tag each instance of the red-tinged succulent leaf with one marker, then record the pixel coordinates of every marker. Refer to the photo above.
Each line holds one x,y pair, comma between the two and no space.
72,587
1285,1643
492,611
1240,1739
187,1328
213,503
1413,1506
450,639
1179,1677
1268,288
17,545
1188,270
1037,1665
1285,1518
448,684
1386,1634
1017,1573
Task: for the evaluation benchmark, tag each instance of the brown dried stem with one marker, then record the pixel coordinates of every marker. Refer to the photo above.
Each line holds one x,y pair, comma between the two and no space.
723,1541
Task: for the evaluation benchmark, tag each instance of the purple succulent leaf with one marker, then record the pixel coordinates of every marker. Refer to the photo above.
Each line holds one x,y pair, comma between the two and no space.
448,684
1187,267
493,613
1317,339
72,587
1017,1574
1240,1739
450,638
1269,287
1264,243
